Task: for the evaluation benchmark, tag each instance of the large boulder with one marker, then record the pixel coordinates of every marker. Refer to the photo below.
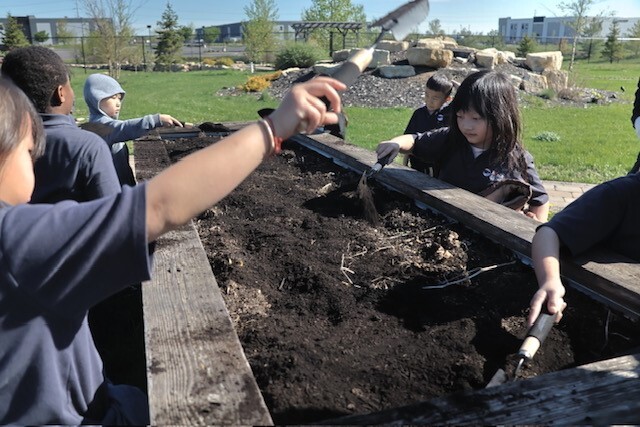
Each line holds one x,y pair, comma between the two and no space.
393,45
430,43
487,58
540,61
341,55
429,57
396,71
380,57
557,80
534,83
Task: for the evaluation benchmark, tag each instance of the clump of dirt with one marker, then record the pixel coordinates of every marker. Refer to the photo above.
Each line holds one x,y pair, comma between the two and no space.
338,317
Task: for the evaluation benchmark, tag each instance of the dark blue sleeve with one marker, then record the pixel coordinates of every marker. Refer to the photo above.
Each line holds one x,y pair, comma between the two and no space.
590,219
539,195
636,106
430,145
100,174
69,256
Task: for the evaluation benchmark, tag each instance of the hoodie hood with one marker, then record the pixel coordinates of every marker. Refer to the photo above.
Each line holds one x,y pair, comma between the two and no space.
96,88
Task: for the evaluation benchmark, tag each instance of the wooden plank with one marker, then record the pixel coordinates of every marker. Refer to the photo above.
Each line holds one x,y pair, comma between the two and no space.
601,393
196,368
608,277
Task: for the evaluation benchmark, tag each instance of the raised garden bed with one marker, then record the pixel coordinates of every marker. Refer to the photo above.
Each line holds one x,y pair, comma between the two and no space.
331,311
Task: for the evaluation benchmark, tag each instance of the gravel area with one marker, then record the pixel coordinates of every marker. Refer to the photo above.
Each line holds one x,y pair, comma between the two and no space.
371,90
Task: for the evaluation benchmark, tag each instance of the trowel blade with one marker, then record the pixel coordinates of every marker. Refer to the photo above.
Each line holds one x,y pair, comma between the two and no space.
404,19
500,377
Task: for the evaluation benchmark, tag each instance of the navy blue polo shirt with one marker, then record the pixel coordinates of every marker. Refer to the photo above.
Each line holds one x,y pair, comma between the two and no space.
636,106
460,168
56,262
608,214
423,121
76,165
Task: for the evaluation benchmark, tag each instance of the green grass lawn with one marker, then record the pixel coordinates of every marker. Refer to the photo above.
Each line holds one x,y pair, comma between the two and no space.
596,143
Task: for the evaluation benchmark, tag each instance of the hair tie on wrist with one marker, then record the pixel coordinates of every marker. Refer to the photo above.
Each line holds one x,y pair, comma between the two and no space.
277,141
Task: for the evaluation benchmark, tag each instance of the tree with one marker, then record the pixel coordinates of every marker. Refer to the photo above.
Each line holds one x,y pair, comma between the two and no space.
13,34
41,36
211,34
469,38
186,32
592,29
613,49
634,32
332,11
495,39
579,10
526,45
63,34
258,35
170,39
435,28
112,21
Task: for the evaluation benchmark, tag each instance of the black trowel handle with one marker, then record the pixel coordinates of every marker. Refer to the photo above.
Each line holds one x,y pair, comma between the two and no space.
537,334
382,162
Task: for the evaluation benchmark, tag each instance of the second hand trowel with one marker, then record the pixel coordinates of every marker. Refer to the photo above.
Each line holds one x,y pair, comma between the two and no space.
530,345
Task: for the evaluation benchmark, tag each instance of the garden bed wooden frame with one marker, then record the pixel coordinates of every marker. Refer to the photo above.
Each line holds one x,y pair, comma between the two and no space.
196,382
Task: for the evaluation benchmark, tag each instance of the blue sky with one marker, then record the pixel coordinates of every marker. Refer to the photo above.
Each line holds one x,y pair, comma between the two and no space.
476,15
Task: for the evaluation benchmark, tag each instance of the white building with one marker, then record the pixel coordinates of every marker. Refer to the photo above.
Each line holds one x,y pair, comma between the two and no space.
551,30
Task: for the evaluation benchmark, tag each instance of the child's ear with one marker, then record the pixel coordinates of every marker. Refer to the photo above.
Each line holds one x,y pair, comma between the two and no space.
58,97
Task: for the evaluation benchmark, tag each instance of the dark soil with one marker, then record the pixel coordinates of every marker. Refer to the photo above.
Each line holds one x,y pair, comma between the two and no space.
333,313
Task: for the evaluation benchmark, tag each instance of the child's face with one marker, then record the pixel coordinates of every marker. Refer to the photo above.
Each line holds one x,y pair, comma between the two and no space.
111,105
434,99
16,172
475,128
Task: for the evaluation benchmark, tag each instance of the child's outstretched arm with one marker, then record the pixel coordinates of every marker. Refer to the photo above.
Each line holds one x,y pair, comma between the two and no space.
200,180
168,120
545,252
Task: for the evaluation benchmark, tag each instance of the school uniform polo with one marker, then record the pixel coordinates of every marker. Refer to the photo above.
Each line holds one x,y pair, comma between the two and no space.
423,121
608,214
76,164
459,166
636,106
56,262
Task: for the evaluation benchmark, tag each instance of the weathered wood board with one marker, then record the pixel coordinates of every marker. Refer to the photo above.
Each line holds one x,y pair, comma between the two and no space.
196,368
602,393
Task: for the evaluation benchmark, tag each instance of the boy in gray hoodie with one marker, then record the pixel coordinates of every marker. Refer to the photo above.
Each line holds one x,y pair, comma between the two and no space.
104,97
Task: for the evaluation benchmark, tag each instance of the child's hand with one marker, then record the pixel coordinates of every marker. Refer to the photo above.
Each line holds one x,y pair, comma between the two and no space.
550,294
167,120
387,150
303,110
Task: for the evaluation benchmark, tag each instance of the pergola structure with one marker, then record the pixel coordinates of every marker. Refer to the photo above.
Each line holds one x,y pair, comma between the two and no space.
304,29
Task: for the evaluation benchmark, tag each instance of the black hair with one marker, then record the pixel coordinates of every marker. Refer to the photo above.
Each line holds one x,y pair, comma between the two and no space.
38,71
15,112
492,95
440,83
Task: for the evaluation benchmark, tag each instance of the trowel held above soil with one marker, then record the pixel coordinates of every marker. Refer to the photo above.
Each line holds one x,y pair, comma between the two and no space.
536,335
